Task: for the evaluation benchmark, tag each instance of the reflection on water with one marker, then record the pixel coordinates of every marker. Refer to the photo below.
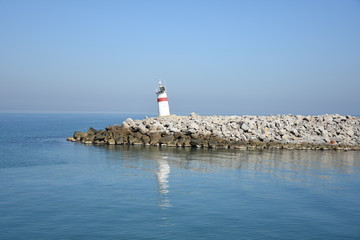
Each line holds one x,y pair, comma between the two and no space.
314,163
306,167
162,175
63,190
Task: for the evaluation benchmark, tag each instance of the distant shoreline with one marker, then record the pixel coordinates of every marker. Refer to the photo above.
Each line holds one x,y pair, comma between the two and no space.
322,132
71,112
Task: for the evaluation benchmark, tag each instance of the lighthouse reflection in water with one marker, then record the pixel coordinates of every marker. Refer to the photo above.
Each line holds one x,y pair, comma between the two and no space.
53,189
177,191
162,176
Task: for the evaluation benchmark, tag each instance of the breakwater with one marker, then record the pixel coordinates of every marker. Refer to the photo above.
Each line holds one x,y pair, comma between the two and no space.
236,132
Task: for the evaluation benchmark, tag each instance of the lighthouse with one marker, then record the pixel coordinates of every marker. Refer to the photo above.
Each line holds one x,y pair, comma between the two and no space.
162,99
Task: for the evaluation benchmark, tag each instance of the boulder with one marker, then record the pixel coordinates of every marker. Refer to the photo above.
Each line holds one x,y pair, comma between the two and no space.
121,140
91,131
100,136
166,139
245,127
79,135
282,131
88,139
154,138
129,122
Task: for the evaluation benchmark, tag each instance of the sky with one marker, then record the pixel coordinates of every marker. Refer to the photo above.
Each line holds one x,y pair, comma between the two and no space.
223,57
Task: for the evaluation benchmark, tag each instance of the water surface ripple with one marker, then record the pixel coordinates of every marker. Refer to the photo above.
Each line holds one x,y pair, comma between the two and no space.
53,189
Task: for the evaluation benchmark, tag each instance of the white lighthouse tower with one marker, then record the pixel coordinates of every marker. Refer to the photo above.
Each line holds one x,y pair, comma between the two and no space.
162,99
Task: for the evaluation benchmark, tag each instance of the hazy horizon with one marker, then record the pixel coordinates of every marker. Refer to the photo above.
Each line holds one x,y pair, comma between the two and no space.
215,57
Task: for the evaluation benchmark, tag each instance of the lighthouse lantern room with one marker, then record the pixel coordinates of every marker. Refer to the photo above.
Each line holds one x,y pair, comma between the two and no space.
162,100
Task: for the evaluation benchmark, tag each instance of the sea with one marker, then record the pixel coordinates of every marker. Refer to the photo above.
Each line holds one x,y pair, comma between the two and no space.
54,189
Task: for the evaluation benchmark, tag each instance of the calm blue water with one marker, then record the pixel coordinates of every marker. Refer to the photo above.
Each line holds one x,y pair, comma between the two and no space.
53,189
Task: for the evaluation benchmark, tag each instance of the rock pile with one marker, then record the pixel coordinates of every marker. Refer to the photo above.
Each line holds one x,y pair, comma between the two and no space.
239,132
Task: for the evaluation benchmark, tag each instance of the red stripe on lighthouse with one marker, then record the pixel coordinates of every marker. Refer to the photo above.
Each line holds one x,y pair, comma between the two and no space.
164,99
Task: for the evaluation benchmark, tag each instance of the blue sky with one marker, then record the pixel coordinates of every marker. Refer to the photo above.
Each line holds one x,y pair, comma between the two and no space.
216,57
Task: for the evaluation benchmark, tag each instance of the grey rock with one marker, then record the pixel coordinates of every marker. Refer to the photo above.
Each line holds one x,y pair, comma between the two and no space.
79,135
295,132
276,131
282,132
166,139
130,122
245,127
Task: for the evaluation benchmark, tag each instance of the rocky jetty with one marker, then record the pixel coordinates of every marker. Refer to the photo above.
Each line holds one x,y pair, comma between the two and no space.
235,132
